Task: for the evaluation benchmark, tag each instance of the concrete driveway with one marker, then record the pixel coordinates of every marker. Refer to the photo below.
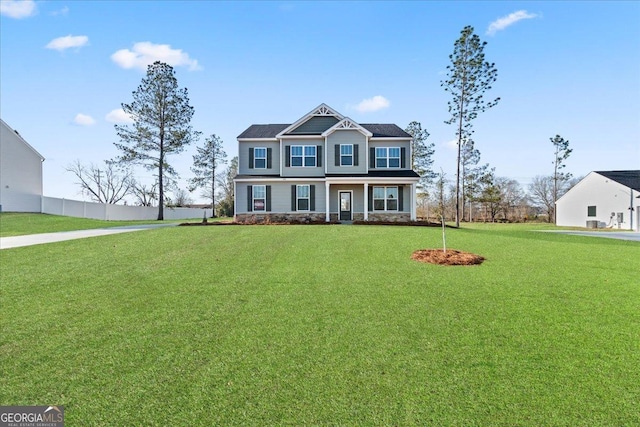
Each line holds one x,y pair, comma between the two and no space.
39,239
620,235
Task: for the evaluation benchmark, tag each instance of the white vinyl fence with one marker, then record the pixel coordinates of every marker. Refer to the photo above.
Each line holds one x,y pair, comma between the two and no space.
65,207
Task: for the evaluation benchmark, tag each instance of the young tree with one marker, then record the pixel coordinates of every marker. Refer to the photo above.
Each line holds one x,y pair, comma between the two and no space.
107,184
469,76
225,182
421,153
561,153
204,167
161,127
541,194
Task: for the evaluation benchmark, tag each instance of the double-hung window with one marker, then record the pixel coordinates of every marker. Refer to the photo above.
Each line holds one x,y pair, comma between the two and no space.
346,154
302,197
385,198
303,155
387,157
259,197
260,158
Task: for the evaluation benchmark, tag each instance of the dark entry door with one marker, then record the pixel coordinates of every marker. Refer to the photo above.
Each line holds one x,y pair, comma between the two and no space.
345,206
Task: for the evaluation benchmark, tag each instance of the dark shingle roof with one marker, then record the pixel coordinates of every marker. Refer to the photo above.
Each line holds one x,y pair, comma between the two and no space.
379,174
629,179
263,131
385,130
379,130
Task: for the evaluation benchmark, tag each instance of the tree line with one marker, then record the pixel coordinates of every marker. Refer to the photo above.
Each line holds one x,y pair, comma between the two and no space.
161,128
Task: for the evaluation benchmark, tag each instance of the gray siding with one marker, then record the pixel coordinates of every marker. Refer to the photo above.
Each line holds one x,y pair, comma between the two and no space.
315,125
402,144
358,197
357,201
302,171
243,158
347,137
280,195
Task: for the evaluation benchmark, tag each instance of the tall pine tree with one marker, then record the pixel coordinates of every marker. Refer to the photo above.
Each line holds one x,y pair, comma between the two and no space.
161,125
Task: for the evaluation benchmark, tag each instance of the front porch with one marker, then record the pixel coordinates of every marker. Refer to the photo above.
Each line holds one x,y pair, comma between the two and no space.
389,200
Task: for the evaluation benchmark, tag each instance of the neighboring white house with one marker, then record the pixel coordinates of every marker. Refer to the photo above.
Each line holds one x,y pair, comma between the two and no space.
603,199
20,173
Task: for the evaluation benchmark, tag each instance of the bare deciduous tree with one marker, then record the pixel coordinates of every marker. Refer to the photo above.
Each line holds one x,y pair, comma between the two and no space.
108,183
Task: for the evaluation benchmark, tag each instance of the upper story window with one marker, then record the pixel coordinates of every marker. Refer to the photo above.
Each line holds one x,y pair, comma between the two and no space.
260,158
346,154
387,157
303,155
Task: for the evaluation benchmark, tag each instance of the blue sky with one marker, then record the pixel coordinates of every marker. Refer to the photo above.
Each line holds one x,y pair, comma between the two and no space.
569,68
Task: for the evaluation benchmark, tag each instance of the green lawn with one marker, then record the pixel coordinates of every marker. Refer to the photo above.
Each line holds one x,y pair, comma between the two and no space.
18,224
323,325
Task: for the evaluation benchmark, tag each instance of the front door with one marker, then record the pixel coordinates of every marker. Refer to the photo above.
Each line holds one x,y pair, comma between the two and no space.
345,206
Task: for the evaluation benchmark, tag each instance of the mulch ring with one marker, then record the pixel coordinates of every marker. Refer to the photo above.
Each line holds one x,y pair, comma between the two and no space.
451,257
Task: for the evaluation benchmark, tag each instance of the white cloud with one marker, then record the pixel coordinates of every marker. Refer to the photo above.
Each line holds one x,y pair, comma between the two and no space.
84,120
376,103
506,21
66,42
17,9
118,116
451,145
146,53
62,12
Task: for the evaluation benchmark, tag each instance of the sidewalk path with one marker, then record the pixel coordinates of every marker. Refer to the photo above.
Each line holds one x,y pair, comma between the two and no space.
39,239
620,235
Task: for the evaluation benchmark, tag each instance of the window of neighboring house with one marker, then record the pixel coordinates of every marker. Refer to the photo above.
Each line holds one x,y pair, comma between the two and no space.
387,157
259,197
302,199
346,154
260,158
385,198
591,211
303,155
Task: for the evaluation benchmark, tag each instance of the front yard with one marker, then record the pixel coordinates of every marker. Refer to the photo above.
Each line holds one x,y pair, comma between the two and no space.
323,325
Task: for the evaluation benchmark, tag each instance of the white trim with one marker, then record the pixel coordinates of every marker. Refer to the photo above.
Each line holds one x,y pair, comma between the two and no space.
266,157
414,214
350,204
327,200
389,138
257,139
302,198
347,124
253,198
352,156
386,198
278,179
316,137
322,110
387,157
304,156
366,201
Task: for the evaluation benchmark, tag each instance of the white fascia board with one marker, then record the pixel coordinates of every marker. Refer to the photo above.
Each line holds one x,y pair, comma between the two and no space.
310,114
371,180
318,137
257,139
278,179
341,126
389,138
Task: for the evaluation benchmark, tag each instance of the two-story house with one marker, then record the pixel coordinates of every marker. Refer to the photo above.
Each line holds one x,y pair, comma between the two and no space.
325,167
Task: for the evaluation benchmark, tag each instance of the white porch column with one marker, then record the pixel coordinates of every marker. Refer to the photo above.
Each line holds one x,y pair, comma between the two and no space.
413,202
366,201
327,187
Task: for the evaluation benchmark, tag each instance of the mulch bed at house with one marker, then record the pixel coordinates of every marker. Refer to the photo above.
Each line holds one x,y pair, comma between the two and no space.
451,257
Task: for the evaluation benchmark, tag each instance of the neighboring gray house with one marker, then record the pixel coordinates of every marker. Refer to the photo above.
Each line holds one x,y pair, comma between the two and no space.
325,167
602,199
20,173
